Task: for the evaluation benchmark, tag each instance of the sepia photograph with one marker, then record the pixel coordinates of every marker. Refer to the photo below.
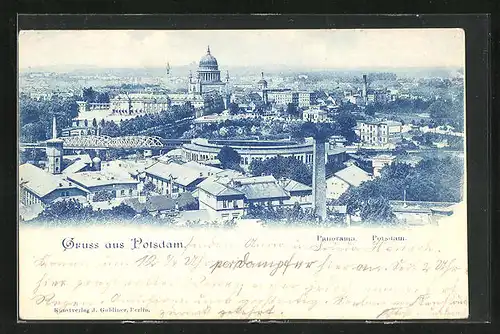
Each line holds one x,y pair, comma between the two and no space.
242,174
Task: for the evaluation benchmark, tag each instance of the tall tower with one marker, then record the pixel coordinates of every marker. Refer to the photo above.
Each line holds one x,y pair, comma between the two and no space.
227,92
319,178
54,150
263,87
167,74
365,89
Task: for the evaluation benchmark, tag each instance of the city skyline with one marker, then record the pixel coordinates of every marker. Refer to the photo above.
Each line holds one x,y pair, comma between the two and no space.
344,49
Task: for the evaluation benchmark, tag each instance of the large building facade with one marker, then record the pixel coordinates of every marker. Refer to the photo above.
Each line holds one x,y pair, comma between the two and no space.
379,133
208,77
201,150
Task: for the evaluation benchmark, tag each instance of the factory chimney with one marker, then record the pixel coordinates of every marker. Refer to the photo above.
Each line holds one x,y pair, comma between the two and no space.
365,89
319,178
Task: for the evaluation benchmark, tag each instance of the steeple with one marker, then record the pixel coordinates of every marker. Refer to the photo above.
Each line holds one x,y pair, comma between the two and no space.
262,73
208,49
227,76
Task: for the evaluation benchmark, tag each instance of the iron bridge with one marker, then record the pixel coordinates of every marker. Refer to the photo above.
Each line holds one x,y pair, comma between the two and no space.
126,142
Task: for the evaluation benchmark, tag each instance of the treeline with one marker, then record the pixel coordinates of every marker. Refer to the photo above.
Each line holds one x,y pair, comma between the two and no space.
141,123
280,167
433,180
73,211
35,117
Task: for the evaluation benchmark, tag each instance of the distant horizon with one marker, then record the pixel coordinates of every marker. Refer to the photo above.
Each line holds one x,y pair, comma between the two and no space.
315,49
68,69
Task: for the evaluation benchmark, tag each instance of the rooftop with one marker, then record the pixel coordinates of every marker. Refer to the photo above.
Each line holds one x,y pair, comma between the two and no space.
353,175
160,202
41,182
100,178
260,188
214,187
292,185
183,175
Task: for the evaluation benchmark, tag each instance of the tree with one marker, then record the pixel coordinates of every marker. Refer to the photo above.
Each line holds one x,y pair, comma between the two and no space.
229,158
370,110
292,110
103,195
89,94
280,167
122,211
233,108
110,128
346,122
67,210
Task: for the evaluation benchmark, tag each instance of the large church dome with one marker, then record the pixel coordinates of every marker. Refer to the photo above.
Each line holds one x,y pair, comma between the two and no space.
208,60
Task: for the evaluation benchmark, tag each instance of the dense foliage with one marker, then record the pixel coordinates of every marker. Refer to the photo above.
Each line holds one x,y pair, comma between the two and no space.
164,122
75,212
282,167
35,117
229,158
433,180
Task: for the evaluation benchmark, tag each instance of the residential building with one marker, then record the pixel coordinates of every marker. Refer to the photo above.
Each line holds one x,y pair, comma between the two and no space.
173,178
380,161
341,181
37,186
220,200
379,133
315,115
229,197
298,192
118,186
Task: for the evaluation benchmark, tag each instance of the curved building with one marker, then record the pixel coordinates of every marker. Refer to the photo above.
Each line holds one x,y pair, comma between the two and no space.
201,149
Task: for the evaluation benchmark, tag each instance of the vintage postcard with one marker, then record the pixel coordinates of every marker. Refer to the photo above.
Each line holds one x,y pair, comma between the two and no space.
242,174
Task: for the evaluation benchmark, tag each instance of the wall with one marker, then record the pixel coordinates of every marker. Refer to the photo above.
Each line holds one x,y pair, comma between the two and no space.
335,187
129,189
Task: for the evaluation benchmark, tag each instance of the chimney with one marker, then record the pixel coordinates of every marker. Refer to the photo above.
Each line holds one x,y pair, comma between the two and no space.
365,88
319,178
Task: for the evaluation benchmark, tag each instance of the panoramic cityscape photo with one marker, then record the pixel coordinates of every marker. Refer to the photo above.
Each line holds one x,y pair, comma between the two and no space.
225,127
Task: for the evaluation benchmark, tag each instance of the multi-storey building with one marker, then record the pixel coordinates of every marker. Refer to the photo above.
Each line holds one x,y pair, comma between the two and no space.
379,133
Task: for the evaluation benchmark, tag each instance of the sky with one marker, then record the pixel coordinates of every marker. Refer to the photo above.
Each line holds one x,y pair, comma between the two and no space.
326,48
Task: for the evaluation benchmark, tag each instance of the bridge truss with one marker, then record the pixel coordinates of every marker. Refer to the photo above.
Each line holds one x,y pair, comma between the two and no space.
127,142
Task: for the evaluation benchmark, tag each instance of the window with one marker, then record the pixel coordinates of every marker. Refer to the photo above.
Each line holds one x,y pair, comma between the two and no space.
122,192
235,204
225,204
130,191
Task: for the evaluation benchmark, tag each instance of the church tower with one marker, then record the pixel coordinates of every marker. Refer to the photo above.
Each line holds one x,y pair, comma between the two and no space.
263,87
54,150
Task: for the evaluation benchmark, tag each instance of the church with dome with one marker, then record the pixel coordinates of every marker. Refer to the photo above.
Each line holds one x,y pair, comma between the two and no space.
208,77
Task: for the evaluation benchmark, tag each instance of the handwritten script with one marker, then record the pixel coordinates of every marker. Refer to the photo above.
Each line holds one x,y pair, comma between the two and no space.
266,273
